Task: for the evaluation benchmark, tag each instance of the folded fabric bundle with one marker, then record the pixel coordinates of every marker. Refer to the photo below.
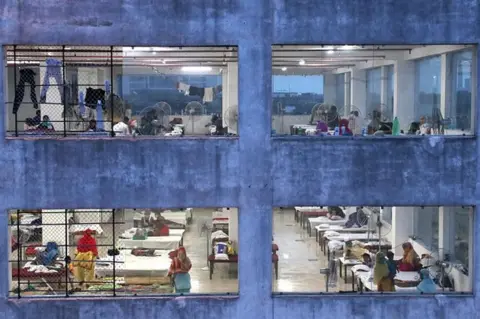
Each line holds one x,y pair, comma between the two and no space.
143,252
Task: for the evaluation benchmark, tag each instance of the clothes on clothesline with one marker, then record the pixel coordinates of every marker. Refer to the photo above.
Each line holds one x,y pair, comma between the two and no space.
92,97
27,76
53,70
206,94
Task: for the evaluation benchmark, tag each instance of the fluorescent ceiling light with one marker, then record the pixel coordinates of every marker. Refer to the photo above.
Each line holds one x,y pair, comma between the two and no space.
330,52
196,68
284,69
301,62
328,48
348,47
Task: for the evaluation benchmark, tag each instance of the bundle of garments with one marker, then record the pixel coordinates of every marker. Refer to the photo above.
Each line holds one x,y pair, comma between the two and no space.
206,94
48,256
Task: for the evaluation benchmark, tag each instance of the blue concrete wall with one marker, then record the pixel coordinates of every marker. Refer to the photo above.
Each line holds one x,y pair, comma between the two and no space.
253,172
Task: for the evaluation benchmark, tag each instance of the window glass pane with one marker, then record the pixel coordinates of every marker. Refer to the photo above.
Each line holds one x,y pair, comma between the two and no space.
387,90
459,110
83,252
334,249
374,84
428,85
293,99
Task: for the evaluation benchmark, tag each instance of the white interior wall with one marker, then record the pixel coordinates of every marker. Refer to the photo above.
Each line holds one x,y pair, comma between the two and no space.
54,228
404,93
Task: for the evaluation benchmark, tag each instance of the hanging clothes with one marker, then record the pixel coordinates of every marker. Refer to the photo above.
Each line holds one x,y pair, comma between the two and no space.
92,97
196,91
184,88
53,70
27,76
209,95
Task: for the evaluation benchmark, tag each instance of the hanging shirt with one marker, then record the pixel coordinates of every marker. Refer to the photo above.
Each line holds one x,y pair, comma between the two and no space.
196,91
182,87
208,97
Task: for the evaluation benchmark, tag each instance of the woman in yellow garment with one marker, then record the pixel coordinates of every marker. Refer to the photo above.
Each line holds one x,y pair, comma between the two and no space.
381,274
84,263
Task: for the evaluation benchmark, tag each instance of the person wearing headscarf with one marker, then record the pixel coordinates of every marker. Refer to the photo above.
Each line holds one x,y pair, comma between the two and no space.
426,286
179,271
381,274
410,260
84,262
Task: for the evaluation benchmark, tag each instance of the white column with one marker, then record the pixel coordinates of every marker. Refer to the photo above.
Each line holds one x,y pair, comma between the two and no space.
329,89
446,236
404,93
348,93
383,89
358,89
402,227
230,93
233,226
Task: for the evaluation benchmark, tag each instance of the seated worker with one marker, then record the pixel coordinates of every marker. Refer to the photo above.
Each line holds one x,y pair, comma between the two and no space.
335,213
122,128
46,124
410,260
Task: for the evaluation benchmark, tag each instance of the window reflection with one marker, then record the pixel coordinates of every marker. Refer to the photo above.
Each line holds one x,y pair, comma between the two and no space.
427,85
374,84
460,107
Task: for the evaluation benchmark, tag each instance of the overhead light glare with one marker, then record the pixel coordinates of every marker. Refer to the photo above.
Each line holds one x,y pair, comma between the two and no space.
284,69
301,62
330,52
196,69
348,47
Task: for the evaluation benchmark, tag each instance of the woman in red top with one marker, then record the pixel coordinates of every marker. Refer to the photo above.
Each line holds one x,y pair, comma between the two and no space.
410,260
179,269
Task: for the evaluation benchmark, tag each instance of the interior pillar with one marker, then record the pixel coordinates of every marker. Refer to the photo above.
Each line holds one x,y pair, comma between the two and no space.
347,93
402,227
358,89
383,89
404,93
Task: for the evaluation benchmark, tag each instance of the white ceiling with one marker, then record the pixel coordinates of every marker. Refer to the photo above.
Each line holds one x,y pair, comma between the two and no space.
286,59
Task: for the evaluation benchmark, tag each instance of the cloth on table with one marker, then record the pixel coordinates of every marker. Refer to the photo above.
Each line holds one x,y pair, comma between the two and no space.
335,245
363,268
219,234
331,233
31,267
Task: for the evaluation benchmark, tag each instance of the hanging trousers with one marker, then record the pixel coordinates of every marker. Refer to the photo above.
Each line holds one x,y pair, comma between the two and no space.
27,76
53,70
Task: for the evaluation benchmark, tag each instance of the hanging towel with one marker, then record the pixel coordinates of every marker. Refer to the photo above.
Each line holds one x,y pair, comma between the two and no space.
208,96
182,87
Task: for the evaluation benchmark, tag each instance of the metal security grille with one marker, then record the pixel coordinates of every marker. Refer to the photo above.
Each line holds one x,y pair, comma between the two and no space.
63,91
107,252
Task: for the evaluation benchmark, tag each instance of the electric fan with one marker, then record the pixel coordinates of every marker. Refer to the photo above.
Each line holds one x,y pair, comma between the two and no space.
193,110
231,119
154,119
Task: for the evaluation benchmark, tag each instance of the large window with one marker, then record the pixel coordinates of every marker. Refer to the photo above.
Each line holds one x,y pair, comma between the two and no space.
459,108
337,249
374,88
123,252
121,91
427,88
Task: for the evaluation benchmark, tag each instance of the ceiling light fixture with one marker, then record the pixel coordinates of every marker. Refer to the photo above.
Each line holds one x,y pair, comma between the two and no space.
330,52
196,68
284,69
301,62
348,47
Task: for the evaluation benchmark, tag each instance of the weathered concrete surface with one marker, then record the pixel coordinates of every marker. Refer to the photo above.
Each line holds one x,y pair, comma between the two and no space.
424,171
238,172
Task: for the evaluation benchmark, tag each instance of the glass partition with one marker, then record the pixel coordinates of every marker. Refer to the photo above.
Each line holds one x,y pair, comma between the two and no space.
363,249
123,252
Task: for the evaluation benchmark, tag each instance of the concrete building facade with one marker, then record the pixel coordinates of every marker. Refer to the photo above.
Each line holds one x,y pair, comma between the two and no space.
254,172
